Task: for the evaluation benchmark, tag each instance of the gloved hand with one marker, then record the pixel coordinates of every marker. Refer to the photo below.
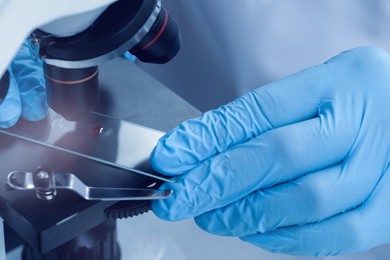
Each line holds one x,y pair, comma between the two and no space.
299,166
26,94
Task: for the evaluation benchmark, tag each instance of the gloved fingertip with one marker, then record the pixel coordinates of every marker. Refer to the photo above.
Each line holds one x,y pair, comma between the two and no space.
11,107
212,223
9,115
130,57
203,221
34,104
171,208
244,239
35,115
268,242
179,150
164,210
255,240
157,159
160,209
164,159
8,122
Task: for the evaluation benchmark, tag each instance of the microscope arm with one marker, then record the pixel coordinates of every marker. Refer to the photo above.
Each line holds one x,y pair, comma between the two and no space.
19,18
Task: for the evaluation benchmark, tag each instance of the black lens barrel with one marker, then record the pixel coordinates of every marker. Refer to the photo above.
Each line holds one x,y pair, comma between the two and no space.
161,43
72,93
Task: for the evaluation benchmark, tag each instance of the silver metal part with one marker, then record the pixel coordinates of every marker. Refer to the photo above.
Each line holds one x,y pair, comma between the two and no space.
45,193
34,48
122,144
68,181
113,54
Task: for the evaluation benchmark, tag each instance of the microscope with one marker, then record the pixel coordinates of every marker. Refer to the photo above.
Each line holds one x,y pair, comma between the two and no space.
71,63
71,175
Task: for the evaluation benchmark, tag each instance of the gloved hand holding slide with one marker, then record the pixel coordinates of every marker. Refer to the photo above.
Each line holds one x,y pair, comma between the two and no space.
299,166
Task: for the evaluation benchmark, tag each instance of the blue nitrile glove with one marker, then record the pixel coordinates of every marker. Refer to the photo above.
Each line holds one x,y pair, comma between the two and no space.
128,56
299,166
26,95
